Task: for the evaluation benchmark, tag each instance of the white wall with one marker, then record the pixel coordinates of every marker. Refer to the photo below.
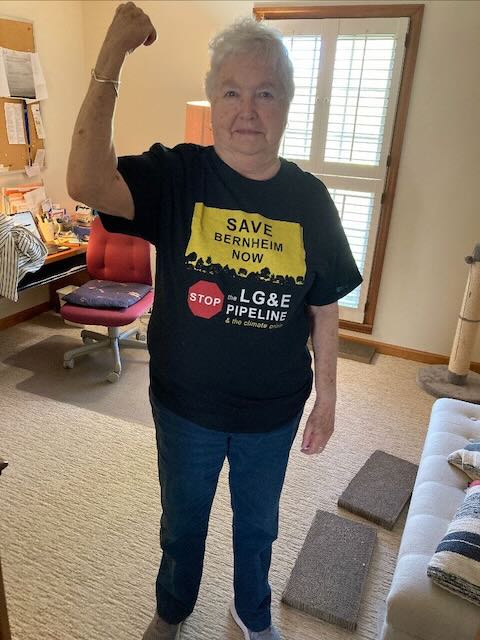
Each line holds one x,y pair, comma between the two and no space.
436,214
436,218
158,80
59,39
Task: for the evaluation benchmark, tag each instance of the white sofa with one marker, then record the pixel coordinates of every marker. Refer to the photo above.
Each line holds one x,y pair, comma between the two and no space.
417,609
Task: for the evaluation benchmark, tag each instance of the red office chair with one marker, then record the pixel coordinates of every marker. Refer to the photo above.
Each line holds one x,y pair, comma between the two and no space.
117,258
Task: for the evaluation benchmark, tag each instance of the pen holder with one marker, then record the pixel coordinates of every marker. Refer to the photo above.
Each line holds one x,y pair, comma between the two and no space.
47,230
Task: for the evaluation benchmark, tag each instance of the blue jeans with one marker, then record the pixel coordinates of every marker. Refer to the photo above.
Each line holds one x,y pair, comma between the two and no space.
190,459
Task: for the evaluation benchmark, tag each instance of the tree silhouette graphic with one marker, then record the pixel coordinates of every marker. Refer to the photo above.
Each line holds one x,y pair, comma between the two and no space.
265,273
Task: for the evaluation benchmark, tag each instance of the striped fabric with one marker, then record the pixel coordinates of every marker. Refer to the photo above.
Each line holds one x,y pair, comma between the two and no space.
455,565
468,460
20,252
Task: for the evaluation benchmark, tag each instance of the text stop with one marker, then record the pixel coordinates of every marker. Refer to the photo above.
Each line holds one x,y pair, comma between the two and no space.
205,299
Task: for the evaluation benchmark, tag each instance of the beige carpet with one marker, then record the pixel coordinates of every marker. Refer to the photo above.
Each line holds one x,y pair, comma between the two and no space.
85,385
79,505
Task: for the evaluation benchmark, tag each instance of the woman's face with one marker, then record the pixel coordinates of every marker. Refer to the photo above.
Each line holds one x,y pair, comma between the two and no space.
249,111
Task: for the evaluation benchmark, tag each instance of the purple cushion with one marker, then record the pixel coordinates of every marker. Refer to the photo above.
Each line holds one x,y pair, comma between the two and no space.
104,294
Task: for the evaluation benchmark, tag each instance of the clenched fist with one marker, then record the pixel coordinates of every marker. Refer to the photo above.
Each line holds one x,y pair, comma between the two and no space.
130,28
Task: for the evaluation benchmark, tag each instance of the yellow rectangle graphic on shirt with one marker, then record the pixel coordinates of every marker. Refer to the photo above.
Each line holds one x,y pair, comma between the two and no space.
248,243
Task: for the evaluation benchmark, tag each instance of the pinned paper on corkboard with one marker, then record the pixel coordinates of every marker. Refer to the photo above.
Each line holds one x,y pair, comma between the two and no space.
18,35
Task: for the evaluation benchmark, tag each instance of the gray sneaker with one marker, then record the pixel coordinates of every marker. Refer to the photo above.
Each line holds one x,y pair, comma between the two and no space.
158,629
267,634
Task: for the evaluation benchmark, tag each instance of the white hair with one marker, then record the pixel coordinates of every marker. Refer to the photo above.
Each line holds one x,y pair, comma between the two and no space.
248,36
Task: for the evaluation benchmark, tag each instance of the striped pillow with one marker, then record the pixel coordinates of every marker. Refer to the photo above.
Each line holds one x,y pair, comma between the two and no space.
455,565
468,460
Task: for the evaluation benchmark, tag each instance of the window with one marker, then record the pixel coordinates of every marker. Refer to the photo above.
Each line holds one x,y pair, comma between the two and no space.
305,54
347,76
360,98
341,126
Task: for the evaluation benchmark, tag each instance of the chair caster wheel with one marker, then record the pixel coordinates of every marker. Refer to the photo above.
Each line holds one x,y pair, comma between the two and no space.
68,364
140,336
113,376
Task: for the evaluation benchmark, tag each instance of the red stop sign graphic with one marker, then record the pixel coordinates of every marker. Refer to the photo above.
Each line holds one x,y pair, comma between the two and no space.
205,299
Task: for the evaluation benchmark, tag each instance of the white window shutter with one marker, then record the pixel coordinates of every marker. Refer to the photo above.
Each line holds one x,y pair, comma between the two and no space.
304,52
347,76
359,99
355,209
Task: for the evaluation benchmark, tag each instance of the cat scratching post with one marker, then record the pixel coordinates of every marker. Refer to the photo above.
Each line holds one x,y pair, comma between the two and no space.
456,380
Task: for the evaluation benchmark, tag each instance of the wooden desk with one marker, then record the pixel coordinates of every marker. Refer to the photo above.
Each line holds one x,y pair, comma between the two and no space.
57,266
75,250
60,269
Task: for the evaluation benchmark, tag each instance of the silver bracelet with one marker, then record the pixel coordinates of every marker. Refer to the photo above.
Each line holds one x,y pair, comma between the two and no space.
116,83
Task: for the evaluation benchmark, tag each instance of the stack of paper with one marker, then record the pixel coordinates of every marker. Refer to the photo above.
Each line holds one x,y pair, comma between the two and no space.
25,197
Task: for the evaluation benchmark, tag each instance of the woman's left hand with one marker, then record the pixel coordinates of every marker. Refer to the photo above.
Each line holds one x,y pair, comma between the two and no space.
319,428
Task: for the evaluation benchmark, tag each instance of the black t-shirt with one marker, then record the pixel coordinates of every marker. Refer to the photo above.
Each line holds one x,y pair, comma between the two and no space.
238,261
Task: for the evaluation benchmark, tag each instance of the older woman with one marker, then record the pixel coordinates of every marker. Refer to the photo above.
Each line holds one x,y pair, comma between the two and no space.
251,258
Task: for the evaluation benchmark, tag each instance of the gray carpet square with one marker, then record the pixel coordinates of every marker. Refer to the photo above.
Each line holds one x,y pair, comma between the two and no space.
381,489
355,350
329,575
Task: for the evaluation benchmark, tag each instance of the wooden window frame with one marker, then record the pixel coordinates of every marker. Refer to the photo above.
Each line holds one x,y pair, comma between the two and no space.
414,12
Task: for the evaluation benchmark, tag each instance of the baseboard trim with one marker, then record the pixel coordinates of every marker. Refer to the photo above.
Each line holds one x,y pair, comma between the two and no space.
26,314
405,352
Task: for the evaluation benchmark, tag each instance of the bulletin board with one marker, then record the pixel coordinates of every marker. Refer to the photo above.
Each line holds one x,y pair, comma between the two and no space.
17,35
